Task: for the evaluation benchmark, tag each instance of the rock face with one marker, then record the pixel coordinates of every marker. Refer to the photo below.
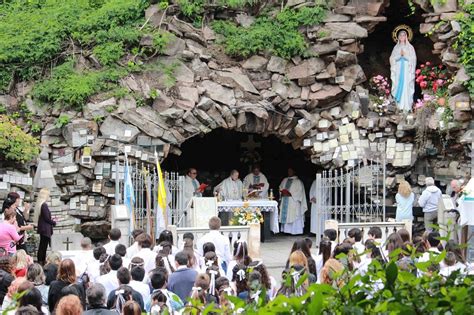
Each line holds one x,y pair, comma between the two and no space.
317,103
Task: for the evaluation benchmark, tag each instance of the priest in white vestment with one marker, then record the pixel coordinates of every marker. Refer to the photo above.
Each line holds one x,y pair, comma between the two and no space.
318,216
257,181
191,186
231,187
292,204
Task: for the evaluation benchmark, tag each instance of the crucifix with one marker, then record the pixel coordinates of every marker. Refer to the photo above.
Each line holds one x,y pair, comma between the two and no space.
250,145
67,242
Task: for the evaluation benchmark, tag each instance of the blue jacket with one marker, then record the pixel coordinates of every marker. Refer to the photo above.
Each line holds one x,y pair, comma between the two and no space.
181,282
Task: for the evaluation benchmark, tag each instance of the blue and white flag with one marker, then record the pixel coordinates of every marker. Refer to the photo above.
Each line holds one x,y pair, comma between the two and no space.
129,194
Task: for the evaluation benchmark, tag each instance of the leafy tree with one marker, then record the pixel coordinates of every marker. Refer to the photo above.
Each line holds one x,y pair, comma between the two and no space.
15,144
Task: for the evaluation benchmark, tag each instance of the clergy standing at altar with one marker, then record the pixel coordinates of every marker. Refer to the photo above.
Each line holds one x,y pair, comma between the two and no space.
292,204
257,181
231,187
191,186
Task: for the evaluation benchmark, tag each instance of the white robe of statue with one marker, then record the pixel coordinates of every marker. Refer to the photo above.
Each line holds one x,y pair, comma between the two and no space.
252,179
230,189
190,187
293,208
402,74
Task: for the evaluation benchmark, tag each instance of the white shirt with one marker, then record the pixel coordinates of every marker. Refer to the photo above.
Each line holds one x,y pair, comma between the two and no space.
93,270
109,281
132,250
433,251
148,257
221,243
110,247
359,247
141,288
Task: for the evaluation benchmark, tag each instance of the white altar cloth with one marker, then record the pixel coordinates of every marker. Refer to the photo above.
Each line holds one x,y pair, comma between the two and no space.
263,204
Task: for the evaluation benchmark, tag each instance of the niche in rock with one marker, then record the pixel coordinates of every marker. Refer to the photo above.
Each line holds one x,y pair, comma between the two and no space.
215,154
378,46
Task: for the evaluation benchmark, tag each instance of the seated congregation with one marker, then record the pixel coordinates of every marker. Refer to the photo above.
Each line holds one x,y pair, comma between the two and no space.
113,279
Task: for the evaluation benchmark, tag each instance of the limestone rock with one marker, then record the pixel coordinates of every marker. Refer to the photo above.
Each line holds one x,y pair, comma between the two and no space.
324,48
162,102
344,58
445,6
172,113
255,63
219,93
174,47
327,94
353,75
307,68
92,110
188,94
277,64
349,10
115,127
334,17
458,100
183,73
96,230
154,14
241,79
76,132
425,28
344,30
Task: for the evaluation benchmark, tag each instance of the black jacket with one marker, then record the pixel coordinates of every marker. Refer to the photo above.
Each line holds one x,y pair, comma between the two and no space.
5,280
56,293
45,223
100,311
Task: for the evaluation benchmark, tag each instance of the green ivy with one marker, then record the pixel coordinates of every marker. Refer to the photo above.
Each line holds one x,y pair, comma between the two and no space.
15,144
62,121
279,35
109,53
71,87
465,45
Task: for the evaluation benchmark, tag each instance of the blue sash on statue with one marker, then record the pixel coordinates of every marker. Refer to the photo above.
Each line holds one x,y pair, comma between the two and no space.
285,201
401,80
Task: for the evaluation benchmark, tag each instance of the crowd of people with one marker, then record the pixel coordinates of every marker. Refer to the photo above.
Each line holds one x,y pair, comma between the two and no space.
157,277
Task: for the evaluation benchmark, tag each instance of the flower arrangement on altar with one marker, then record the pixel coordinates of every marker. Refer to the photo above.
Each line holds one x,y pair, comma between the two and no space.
380,97
433,81
246,215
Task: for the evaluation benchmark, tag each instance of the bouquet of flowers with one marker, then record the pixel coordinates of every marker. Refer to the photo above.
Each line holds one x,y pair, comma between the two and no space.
246,215
380,96
432,78
380,86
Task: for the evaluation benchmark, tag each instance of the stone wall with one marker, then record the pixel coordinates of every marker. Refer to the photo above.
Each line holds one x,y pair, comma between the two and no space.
318,104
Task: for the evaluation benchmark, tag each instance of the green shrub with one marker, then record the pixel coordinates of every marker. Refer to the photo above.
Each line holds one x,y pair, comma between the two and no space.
279,35
62,121
465,45
109,53
15,144
68,86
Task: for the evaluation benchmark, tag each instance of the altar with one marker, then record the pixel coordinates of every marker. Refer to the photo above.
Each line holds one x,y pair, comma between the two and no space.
268,208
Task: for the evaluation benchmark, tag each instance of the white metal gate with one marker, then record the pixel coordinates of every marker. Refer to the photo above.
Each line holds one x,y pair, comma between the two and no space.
145,187
354,195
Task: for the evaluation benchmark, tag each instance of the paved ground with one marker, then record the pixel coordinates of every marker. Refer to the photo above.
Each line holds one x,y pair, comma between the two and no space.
275,251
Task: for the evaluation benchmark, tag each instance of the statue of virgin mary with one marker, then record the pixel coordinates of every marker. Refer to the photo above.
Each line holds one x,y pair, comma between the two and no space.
402,68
